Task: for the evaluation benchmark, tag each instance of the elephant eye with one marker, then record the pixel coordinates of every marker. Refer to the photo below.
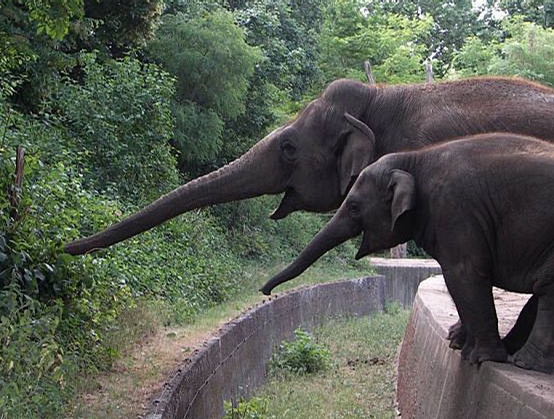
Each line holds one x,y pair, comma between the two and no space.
289,150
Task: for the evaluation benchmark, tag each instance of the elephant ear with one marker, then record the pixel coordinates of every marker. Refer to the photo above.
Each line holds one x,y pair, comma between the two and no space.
402,185
357,153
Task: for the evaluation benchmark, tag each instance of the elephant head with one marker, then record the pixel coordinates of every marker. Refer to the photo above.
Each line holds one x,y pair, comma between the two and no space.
312,159
380,205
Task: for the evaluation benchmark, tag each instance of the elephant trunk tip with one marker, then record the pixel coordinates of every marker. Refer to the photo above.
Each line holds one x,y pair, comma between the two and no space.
78,247
265,290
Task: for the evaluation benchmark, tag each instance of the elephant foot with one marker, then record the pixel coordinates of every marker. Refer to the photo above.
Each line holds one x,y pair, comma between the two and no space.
531,357
495,353
457,335
476,354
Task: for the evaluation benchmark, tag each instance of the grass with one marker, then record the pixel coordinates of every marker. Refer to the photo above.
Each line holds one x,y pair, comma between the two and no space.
360,383
152,345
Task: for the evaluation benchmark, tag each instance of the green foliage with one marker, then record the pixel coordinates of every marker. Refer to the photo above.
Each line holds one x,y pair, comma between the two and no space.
255,408
74,303
540,12
119,124
474,57
212,64
393,44
254,236
393,308
42,290
302,356
32,369
286,31
121,25
52,17
185,262
286,34
453,22
526,51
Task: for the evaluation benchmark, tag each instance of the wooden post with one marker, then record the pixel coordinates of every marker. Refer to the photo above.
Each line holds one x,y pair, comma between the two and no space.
369,73
429,71
16,188
532,38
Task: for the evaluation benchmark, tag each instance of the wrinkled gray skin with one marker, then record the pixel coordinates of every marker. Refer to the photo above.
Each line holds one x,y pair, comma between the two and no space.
482,207
315,158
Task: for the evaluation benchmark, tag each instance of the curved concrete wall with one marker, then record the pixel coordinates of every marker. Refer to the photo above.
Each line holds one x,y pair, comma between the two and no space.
232,364
434,382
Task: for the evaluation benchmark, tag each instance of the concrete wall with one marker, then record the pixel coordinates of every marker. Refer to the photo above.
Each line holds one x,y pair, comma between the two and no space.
403,277
232,364
435,383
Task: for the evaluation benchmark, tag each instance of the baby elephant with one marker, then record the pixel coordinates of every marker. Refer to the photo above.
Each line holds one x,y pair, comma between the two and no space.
483,206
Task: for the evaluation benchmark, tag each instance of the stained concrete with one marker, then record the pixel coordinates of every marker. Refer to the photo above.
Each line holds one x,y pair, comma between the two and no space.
232,364
403,277
435,383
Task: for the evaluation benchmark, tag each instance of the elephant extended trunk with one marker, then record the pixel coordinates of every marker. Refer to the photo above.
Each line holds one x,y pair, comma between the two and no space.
337,231
253,174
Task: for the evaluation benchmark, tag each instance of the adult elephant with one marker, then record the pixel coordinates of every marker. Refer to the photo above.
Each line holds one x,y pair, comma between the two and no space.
315,158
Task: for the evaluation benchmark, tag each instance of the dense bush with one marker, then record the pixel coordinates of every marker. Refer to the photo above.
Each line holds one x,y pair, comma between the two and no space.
301,356
56,310
119,124
254,408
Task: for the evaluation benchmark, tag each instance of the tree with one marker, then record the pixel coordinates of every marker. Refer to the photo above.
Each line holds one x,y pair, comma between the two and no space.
526,51
212,64
529,53
391,42
119,126
474,57
286,32
453,22
540,12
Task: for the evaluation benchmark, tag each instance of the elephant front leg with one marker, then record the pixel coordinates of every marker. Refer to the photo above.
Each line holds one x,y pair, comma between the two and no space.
538,353
514,339
472,295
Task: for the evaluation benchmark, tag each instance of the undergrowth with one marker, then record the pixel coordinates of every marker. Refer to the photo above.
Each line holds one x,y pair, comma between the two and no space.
301,356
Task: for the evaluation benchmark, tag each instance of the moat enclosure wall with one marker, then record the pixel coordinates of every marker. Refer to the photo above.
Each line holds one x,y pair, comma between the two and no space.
232,364
435,383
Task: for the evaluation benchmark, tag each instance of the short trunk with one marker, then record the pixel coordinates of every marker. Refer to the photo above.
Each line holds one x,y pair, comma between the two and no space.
336,232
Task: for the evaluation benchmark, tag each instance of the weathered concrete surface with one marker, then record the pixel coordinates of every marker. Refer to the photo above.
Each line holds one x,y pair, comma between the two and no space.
232,364
434,382
403,276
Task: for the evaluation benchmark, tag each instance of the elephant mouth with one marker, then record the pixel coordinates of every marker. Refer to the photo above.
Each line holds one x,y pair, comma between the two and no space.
288,204
365,247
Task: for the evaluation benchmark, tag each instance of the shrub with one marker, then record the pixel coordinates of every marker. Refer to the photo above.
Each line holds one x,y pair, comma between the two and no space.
119,124
32,368
255,408
57,311
302,356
